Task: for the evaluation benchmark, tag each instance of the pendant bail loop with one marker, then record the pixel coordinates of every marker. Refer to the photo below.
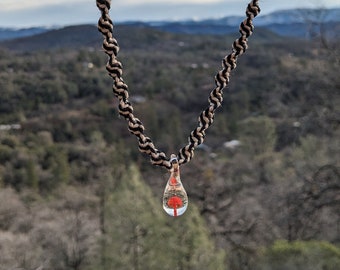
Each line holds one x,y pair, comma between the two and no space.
174,163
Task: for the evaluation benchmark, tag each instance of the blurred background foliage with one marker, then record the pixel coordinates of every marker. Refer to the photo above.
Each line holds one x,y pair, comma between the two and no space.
263,189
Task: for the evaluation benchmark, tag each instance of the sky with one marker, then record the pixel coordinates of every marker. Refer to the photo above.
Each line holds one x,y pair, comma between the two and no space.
29,13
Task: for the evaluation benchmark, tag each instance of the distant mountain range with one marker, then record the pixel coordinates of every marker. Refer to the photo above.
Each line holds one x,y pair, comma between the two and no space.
10,33
295,23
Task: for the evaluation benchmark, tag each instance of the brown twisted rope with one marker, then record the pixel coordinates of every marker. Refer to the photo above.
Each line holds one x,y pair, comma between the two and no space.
120,89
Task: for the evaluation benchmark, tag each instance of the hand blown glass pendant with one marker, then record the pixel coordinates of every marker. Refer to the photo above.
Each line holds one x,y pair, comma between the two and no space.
175,199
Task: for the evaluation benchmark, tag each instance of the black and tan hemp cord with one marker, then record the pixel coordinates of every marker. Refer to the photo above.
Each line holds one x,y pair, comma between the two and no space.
120,89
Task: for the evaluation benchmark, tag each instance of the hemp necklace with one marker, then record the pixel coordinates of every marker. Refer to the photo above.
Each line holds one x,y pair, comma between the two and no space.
175,199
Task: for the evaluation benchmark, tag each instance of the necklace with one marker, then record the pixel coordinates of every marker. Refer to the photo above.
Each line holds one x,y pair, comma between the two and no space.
175,199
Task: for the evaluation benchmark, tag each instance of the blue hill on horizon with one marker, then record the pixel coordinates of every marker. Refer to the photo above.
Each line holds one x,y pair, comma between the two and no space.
294,22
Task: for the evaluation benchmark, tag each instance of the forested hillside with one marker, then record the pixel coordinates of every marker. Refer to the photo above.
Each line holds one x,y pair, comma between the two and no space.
263,190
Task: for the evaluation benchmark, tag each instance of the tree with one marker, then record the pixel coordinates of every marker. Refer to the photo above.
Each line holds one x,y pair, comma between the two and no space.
61,168
141,236
304,216
298,255
32,177
258,135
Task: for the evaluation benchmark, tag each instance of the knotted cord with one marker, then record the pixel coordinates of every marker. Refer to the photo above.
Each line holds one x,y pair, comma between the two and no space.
120,88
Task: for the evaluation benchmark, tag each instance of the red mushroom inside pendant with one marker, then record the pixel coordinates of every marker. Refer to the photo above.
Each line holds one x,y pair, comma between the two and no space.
175,203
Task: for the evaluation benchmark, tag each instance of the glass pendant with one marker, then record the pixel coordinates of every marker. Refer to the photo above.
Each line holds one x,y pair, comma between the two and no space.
175,199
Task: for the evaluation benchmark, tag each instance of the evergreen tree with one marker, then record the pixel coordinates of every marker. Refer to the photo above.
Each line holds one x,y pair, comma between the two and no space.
141,236
32,177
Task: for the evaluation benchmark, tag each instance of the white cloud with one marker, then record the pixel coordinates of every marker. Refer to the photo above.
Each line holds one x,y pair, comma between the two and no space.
10,5
138,2
27,13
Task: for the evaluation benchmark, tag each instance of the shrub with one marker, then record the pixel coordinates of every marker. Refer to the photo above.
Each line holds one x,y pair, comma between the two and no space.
309,255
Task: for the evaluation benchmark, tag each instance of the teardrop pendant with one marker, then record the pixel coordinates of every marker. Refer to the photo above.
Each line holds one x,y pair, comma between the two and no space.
175,199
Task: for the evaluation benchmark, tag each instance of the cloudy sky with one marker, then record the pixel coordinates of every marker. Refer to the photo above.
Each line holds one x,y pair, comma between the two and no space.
27,13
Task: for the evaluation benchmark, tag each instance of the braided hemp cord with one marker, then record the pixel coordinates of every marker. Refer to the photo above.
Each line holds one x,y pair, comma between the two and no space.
120,89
